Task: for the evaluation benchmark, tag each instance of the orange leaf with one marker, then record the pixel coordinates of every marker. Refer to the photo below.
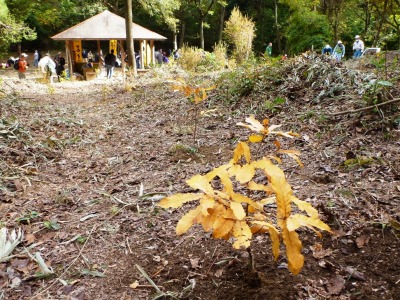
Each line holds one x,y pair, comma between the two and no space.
273,233
243,173
242,149
293,251
255,138
206,203
222,227
187,220
178,200
238,210
208,221
201,183
241,231
277,144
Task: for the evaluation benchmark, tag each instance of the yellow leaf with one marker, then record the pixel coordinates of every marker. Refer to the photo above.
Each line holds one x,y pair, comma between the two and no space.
201,183
280,186
178,200
297,220
242,149
293,251
243,199
226,181
217,171
267,201
241,231
229,214
293,154
188,220
238,210
305,206
273,233
256,138
253,125
206,203
259,187
208,221
222,227
243,173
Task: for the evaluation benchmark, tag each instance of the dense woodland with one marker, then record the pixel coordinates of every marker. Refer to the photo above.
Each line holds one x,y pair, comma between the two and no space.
293,26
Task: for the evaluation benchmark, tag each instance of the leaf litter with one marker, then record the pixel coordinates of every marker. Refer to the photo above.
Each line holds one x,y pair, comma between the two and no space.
56,151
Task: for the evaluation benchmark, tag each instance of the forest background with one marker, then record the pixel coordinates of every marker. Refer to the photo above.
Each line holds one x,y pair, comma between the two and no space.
293,26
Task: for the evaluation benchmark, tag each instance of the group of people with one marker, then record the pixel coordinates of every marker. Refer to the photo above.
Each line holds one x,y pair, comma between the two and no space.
339,50
46,64
336,53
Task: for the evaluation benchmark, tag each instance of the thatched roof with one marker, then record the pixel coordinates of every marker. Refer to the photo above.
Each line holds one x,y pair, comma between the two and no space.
106,26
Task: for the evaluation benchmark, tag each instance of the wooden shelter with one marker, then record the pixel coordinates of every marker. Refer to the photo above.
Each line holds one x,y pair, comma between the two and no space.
107,26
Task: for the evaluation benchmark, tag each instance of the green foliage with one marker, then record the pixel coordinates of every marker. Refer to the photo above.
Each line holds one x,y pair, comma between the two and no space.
163,10
240,32
307,30
274,105
13,31
194,59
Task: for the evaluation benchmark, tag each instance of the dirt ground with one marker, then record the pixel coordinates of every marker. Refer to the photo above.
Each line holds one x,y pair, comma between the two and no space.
74,156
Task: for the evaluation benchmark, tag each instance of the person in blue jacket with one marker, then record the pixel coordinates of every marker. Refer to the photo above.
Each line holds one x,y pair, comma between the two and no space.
327,50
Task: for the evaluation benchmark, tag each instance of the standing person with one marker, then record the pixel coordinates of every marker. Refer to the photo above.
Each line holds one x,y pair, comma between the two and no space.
159,56
36,58
22,66
60,63
90,56
338,51
268,50
358,47
110,60
47,63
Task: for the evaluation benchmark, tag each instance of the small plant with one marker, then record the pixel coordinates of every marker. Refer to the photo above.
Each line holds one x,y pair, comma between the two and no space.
274,105
196,95
27,218
51,224
229,214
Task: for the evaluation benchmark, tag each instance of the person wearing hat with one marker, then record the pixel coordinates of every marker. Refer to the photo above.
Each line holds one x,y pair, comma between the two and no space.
22,66
327,50
338,51
358,47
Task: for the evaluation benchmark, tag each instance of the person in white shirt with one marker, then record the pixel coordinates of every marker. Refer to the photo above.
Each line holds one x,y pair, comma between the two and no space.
358,47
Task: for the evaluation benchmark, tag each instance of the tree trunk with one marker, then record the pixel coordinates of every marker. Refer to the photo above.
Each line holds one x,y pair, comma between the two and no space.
380,25
202,33
129,35
221,23
182,36
277,31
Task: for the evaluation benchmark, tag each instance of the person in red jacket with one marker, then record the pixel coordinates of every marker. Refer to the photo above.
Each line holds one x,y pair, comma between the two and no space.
22,66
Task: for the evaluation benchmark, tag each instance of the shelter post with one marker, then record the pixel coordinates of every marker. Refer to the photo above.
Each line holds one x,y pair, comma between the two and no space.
153,52
141,54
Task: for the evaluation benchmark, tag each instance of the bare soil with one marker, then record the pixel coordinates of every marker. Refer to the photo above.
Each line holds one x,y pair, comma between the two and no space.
76,154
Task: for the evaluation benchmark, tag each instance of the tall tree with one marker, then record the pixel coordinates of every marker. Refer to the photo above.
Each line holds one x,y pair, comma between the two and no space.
129,35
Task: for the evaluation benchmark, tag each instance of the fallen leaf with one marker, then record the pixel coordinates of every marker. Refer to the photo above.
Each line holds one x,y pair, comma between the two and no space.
336,285
29,238
362,240
134,285
194,262
219,273
355,274
319,252
156,258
